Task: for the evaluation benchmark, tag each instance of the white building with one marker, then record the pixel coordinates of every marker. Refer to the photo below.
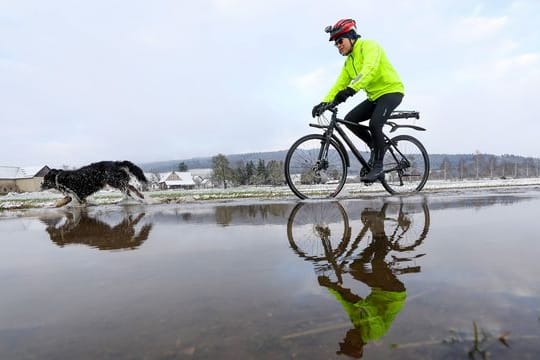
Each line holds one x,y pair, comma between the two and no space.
202,177
176,180
153,181
22,179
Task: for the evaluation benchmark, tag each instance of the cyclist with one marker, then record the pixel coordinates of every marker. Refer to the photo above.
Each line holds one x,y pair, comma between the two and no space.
366,67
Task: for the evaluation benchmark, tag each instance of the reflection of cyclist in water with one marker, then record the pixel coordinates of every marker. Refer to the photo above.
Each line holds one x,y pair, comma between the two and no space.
373,315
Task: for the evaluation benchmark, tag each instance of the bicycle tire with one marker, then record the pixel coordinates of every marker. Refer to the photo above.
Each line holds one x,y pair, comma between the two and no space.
408,236
406,169
310,177
305,220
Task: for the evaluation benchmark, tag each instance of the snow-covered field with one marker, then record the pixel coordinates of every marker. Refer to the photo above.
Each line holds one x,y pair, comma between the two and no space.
44,199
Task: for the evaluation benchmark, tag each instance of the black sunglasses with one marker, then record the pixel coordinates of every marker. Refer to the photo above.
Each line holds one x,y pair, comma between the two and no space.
338,42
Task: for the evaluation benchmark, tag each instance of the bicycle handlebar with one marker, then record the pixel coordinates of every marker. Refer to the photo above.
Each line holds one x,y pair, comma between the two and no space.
331,106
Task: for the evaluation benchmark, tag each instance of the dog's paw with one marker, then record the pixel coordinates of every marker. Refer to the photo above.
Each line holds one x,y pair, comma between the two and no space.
62,202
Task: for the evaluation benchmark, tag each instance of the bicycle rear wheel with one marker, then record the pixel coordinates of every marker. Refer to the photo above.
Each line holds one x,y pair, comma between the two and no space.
315,167
406,224
406,165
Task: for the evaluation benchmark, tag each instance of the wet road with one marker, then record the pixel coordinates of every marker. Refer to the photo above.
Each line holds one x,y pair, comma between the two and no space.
435,276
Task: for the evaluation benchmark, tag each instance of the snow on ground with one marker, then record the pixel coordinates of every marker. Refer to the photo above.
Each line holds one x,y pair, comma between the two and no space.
48,198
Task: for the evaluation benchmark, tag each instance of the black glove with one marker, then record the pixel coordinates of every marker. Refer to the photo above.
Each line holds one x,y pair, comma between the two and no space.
317,109
344,95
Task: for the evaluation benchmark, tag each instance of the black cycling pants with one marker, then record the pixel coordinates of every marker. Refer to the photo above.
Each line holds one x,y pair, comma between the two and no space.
378,111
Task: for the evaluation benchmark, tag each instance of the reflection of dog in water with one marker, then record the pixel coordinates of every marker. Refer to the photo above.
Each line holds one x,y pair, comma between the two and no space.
81,183
79,227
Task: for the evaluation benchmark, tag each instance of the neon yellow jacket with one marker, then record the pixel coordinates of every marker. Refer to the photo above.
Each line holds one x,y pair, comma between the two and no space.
375,314
367,68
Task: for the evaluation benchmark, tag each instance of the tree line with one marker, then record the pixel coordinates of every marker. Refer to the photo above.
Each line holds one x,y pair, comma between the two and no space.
482,166
246,173
443,167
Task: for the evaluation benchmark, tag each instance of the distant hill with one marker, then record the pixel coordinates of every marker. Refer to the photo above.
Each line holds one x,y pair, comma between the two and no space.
457,165
206,162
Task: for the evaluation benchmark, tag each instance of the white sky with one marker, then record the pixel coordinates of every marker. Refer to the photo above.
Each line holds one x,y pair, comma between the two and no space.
84,81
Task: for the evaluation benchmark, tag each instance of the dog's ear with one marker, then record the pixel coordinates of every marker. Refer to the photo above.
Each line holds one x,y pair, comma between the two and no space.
49,180
51,172
50,176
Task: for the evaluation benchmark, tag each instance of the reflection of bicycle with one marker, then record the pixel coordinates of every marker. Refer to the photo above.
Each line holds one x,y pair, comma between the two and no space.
316,164
320,232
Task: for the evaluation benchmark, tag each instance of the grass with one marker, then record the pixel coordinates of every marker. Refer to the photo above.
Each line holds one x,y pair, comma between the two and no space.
27,201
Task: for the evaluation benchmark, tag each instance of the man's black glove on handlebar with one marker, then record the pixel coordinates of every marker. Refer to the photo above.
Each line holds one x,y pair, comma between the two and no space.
317,109
344,95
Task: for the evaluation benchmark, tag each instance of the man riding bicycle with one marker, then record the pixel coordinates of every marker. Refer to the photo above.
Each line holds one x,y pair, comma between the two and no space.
366,67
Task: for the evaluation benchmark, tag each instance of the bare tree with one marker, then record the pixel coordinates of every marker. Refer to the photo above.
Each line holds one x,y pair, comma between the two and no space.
461,167
492,165
221,171
446,167
276,175
477,158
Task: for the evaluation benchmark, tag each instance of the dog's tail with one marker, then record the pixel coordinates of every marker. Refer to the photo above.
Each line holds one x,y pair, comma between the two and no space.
134,170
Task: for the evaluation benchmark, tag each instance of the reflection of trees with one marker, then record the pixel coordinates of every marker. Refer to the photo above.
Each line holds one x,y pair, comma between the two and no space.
226,214
320,233
78,227
223,215
186,216
481,201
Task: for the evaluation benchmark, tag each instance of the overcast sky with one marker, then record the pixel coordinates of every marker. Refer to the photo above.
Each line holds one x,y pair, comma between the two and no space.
84,81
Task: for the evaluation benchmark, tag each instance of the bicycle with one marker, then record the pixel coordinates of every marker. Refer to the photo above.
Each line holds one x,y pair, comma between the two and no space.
316,164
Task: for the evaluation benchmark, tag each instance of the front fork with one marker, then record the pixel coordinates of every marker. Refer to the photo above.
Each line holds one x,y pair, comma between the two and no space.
322,159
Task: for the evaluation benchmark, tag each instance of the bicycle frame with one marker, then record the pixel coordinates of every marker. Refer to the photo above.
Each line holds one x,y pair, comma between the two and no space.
329,134
334,125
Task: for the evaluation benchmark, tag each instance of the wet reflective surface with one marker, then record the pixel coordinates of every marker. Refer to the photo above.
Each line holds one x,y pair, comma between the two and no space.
435,276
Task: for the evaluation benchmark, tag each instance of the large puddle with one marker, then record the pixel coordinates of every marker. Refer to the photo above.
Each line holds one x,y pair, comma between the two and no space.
453,276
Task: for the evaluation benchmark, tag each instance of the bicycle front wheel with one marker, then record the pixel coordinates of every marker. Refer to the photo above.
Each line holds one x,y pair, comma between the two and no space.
319,231
315,167
405,165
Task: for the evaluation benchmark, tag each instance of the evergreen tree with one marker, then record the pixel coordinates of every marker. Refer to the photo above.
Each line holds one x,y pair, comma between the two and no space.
250,172
240,174
182,167
262,173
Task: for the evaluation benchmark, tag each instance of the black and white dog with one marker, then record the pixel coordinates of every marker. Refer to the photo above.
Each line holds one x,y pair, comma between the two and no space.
81,183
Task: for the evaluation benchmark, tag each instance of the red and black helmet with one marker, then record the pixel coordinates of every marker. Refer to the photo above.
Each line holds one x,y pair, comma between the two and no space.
342,27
